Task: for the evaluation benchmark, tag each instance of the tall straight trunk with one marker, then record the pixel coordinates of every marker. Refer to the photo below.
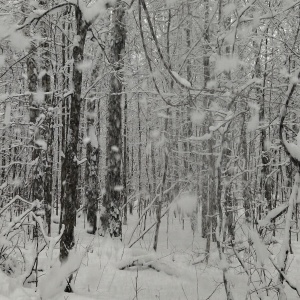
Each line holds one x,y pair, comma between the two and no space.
92,154
139,159
37,184
210,221
111,219
206,176
245,178
56,137
49,134
131,177
162,187
265,187
92,183
125,160
32,83
188,124
190,149
164,149
64,110
176,148
153,164
70,163
265,157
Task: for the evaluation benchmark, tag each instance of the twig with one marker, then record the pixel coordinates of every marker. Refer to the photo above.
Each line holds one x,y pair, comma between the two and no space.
146,230
214,291
148,207
184,292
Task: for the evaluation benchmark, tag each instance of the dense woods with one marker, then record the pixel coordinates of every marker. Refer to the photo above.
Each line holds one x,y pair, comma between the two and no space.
129,120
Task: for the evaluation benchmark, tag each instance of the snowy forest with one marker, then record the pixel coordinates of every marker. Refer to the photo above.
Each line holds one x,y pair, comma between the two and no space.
150,149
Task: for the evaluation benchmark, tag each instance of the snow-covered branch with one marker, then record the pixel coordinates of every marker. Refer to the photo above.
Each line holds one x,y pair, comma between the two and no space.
18,220
273,214
17,197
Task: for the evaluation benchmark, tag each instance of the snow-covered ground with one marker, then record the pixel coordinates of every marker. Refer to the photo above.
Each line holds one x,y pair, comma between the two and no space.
103,274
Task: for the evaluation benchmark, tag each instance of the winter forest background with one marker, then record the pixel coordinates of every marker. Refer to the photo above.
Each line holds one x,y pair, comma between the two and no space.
150,149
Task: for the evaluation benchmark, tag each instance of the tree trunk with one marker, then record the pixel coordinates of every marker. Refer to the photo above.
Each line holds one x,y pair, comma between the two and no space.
49,137
125,159
32,82
70,164
211,202
139,160
162,187
111,219
92,155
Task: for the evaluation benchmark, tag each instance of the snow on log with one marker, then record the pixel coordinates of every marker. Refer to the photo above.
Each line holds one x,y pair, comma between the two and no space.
273,214
12,290
260,248
140,260
53,282
150,261
183,81
293,149
204,137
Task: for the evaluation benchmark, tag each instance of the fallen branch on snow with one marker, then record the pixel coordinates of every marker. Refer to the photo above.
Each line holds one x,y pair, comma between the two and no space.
150,261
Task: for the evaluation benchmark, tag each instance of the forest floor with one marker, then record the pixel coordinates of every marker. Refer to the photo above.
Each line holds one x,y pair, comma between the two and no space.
181,275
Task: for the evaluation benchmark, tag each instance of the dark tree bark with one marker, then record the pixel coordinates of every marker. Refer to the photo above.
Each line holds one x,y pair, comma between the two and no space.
48,162
139,158
125,163
32,83
111,218
65,105
48,159
92,155
162,188
208,227
70,164
37,184
187,128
